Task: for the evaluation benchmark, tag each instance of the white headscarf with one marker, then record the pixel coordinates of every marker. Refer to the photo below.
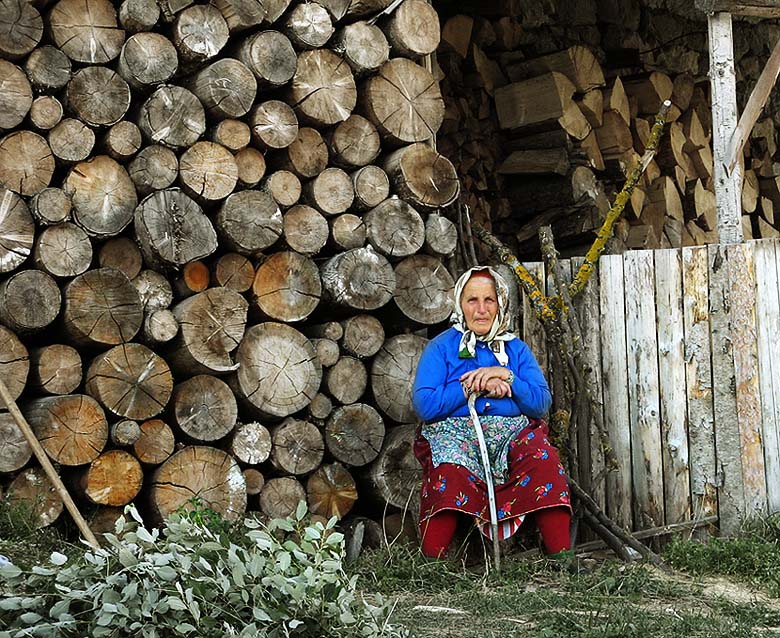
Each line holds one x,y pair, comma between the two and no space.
499,331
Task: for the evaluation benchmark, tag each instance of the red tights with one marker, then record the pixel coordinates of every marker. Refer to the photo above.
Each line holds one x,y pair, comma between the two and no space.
553,524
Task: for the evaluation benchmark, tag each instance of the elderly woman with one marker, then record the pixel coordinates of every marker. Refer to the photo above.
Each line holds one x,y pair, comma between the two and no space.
479,354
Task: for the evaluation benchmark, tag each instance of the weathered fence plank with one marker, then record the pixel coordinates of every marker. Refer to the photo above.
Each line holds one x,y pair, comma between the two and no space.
533,332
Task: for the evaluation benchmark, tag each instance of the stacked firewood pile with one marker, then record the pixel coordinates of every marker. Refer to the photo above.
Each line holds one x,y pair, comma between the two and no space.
218,233
548,139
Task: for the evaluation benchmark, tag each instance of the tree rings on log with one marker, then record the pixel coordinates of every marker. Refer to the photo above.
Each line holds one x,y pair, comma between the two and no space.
323,89
198,472
233,134
346,380
441,235
364,47
17,231
114,478
122,141
347,231
172,116
305,230
32,490
354,434
14,363
26,163
424,289
139,15
16,98
250,221
160,326
63,250
274,124
71,428
331,192
46,112
172,230
396,474
124,433
423,176
123,254
298,447
103,196
55,369
327,351
278,370
211,326
394,228
154,168
227,88
331,491
51,206
241,14
29,301
270,56
392,376
354,142
98,96
147,59
102,308
155,444
130,381
199,33
15,452
371,186
71,140
413,29
208,171
251,443
48,68
154,290
287,287
234,271
280,497
361,279
308,25
284,187
86,30
204,408
21,28
363,335
404,102
307,155
250,164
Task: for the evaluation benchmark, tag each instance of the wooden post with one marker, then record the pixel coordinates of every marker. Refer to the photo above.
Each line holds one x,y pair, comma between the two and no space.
728,186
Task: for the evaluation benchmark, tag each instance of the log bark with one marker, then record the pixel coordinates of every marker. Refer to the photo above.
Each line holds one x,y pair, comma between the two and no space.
124,433
212,325
147,59
278,370
413,29
50,206
32,490
404,102
15,452
354,434
204,408
423,176
371,185
363,336
274,124
71,428
103,196
14,363
354,142
48,68
122,141
21,28
394,228
280,497
172,230
323,88
156,443
208,172
172,116
26,163
114,479
394,477
29,301
138,15
424,289
250,222
46,112
17,231
307,154
102,308
71,141
130,381
227,88
331,491
199,33
360,278
86,30
154,290
251,443
284,187
305,230
347,231
234,271
298,447
205,473
154,168
55,369
392,373
98,96
441,236
346,380
331,192
250,164
308,26
17,96
364,47
270,56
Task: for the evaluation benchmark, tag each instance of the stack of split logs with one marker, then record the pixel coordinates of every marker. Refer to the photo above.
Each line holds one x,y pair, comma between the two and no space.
549,140
220,246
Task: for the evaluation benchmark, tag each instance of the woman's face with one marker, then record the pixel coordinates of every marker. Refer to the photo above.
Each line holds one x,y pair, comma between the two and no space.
479,304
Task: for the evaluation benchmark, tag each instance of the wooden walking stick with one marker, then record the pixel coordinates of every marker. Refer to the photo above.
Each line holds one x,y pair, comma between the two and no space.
43,459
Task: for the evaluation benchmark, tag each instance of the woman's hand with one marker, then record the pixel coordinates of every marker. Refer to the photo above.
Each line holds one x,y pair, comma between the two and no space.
478,380
498,389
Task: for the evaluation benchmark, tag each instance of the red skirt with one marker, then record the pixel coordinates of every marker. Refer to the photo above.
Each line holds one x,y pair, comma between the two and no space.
536,480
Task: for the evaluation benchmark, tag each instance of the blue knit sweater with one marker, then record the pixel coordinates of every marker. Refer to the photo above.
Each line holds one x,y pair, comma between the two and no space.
437,392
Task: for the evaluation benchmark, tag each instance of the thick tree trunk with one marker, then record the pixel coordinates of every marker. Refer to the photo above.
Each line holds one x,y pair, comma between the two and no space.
154,168
234,271
199,33
138,15
48,68
413,29
122,254
208,172
327,351
308,26
284,186
71,141
364,47
17,231
241,14
159,327
46,112
122,141
227,88
154,290
21,29
172,116
124,433
86,30
26,162
331,192
307,154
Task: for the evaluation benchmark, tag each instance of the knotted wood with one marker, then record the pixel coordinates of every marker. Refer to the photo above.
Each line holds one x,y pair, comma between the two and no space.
114,479
102,308
363,335
287,287
17,232
361,279
250,221
205,473
278,370
394,228
14,363
55,369
172,116
274,124
130,381
280,497
147,59
331,491
392,375
29,301
98,96
26,163
346,380
323,88
298,447
422,176
71,428
251,443
424,289
270,56
354,434
155,444
204,408
86,30
305,229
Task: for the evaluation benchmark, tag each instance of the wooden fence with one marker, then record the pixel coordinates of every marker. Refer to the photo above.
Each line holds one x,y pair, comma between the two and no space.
684,347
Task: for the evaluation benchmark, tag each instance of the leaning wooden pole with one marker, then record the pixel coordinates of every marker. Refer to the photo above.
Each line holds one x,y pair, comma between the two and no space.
47,466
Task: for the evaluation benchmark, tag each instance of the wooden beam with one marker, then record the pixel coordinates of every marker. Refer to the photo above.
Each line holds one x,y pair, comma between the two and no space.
753,108
756,8
728,185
